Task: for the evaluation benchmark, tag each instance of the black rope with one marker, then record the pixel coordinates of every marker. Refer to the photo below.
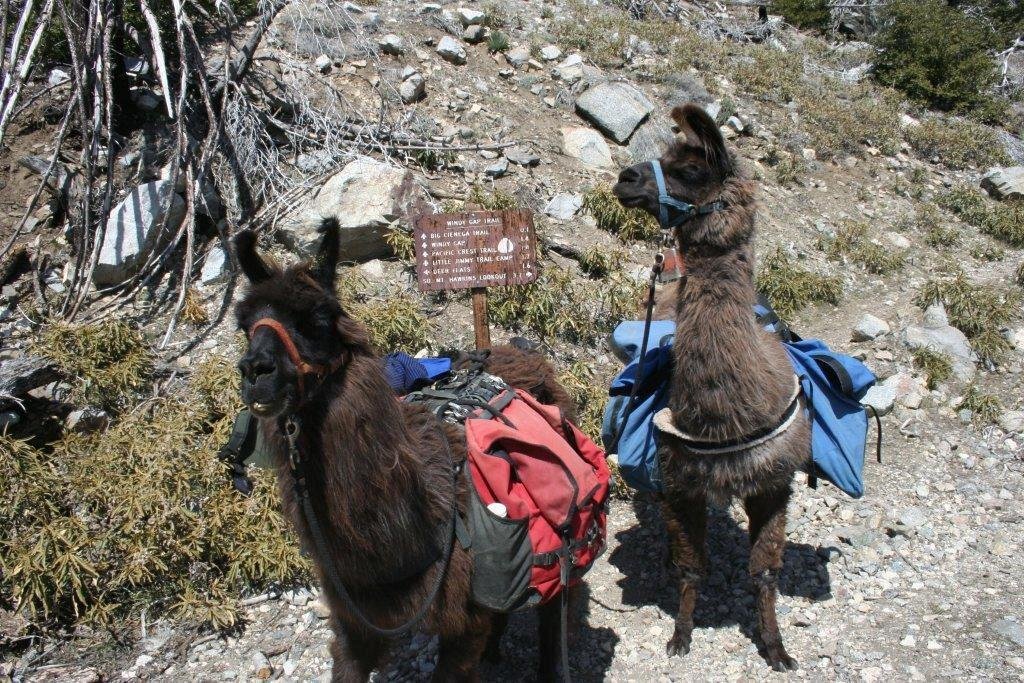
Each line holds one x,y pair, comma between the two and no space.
292,432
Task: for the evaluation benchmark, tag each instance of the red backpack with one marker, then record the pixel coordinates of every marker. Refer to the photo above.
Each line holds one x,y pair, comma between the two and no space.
537,516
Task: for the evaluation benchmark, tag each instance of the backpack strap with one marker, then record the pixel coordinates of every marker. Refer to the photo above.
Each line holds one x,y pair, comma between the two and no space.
838,375
240,446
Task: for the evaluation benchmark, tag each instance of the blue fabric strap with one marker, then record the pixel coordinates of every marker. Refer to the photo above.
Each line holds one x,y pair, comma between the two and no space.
667,203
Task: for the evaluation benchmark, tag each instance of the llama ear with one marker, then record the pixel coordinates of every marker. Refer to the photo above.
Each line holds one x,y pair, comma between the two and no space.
253,265
700,129
326,261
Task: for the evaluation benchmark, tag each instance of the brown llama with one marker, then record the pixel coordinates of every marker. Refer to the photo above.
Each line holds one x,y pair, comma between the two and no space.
378,471
734,425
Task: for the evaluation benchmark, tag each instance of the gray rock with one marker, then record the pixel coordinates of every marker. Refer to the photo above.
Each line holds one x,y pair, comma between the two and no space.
938,335
650,139
57,76
1012,421
912,517
366,196
297,596
616,108
518,56
550,53
497,169
522,156
1005,183
87,419
870,327
323,64
412,88
214,266
587,145
881,398
474,34
133,230
570,69
910,390
471,17
564,205
260,667
451,50
145,99
391,44
1011,630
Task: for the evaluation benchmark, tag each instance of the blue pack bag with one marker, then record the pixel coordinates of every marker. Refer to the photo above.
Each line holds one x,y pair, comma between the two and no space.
832,384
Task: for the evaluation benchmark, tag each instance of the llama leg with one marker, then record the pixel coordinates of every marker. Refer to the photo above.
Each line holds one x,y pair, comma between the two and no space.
492,653
549,616
767,518
686,520
459,654
355,655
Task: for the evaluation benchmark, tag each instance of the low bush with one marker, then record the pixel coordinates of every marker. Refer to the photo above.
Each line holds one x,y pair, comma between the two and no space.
395,323
403,246
589,391
628,224
957,143
839,122
935,365
1002,220
790,288
985,408
108,363
100,527
808,14
979,311
853,241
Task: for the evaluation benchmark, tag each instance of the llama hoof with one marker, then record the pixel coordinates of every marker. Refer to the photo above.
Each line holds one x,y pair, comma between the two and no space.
679,645
781,661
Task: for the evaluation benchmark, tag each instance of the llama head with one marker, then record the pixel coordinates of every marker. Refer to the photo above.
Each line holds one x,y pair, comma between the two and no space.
696,167
302,300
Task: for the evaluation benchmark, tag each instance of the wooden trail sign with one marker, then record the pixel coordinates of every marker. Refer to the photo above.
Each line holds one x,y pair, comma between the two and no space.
475,250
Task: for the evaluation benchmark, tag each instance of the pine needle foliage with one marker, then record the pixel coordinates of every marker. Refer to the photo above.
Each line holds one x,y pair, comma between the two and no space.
790,288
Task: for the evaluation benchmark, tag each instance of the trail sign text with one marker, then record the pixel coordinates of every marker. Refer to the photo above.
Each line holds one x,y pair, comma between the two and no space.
475,249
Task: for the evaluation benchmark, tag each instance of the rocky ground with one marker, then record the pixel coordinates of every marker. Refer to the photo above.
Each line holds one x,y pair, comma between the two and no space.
918,580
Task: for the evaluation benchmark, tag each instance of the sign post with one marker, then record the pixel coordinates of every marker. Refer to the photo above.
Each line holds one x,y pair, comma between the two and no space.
475,250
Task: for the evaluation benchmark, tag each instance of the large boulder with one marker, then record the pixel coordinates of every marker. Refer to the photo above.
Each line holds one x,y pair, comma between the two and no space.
587,145
616,108
365,196
135,229
651,139
1005,183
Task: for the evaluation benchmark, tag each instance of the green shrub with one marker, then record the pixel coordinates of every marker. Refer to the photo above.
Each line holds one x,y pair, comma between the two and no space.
1002,220
1018,276
957,143
401,242
141,517
985,408
842,124
628,224
768,74
979,311
936,54
986,251
853,241
108,363
936,366
395,323
497,41
789,288
805,13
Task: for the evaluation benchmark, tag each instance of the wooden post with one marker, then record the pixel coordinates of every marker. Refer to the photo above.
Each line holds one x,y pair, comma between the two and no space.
481,325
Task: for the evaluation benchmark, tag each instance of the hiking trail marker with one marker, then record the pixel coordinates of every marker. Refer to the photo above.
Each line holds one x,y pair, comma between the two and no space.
475,250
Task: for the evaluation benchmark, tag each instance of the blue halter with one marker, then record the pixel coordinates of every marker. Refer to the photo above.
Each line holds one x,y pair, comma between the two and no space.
684,210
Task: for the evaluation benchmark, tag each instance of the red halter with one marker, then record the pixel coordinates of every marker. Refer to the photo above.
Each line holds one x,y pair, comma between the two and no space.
302,367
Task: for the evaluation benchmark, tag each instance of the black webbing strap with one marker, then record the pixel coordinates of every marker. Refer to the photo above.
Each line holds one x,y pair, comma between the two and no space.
240,445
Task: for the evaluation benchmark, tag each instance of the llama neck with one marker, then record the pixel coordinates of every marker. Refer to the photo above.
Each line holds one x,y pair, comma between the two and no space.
730,378
366,476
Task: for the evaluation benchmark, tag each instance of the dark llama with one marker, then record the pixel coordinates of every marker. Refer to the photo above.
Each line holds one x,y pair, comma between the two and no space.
378,471
734,425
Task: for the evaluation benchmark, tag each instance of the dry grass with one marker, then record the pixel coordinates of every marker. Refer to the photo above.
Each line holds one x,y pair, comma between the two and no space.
192,311
985,408
1002,220
957,143
936,366
627,224
142,516
395,323
589,390
790,288
842,119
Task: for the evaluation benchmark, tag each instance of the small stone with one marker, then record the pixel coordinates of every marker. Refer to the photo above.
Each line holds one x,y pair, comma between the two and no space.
550,53
522,156
897,240
570,70
564,206
451,50
391,44
474,34
413,88
1012,421
881,398
809,154
497,169
323,64
735,123
87,419
913,517
373,270
1011,630
297,596
518,56
214,266
470,17
260,667
870,327
320,608
57,76
909,641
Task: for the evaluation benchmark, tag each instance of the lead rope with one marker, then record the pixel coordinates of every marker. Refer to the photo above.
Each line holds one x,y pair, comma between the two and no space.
295,464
